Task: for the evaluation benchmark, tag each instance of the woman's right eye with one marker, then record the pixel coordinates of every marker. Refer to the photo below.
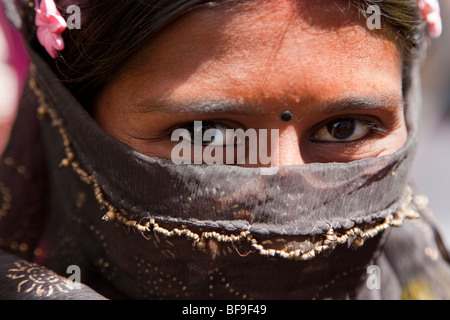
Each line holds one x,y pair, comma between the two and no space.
209,133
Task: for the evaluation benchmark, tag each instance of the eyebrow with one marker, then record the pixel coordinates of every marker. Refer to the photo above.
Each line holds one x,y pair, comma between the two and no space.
204,107
347,103
358,102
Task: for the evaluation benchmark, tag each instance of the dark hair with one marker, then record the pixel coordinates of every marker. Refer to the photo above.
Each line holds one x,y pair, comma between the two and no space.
408,28
113,31
404,20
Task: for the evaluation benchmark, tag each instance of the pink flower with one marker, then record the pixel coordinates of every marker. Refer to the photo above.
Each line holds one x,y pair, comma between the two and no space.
50,25
431,13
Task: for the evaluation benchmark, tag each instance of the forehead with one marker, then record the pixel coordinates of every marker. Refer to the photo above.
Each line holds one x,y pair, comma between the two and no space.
293,49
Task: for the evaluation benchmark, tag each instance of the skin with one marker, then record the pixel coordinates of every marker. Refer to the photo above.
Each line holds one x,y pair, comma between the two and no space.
242,65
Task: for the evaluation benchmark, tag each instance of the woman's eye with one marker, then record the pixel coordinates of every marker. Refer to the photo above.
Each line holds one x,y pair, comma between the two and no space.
342,130
209,133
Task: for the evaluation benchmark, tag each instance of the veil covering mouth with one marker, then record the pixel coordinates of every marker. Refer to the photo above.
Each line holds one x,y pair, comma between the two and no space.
143,227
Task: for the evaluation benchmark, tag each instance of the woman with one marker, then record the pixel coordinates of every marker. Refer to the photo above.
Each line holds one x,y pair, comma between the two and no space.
96,186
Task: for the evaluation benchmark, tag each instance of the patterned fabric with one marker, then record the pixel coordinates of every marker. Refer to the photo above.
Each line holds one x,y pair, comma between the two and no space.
21,279
145,228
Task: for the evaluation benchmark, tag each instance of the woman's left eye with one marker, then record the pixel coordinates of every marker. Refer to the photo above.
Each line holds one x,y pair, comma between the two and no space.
342,130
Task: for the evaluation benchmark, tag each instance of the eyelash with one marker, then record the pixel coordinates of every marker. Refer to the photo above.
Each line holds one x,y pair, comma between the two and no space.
228,124
371,125
375,128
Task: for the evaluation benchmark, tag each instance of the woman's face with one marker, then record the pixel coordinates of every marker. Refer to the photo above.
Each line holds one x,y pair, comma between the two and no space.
242,66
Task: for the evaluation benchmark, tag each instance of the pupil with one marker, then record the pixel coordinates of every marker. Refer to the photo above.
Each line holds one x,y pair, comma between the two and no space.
205,126
341,129
208,125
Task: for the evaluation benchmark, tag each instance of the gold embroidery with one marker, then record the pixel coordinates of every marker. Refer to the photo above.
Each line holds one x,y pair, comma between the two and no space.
36,279
354,237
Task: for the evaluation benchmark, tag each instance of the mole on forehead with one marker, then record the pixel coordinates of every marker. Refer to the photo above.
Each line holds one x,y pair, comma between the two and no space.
286,115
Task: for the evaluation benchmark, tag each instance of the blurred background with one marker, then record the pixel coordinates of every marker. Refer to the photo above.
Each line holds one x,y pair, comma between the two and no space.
432,168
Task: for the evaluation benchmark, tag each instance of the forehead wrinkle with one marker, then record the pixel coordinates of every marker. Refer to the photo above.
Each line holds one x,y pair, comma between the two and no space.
243,44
